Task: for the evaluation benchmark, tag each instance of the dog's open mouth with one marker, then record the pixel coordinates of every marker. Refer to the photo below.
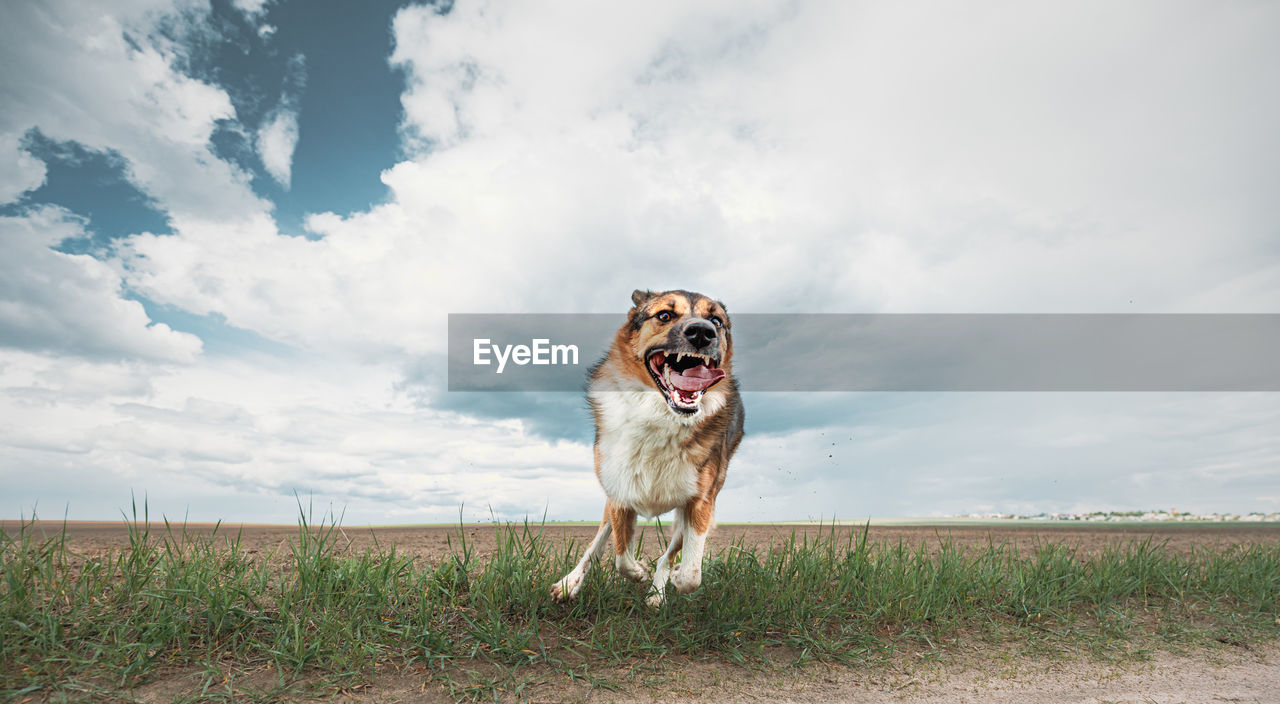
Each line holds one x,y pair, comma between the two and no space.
684,377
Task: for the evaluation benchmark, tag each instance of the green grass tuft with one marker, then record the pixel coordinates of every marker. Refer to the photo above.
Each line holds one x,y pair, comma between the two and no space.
316,616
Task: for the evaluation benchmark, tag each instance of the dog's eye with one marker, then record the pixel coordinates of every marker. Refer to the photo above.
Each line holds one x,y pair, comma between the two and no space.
717,322
665,316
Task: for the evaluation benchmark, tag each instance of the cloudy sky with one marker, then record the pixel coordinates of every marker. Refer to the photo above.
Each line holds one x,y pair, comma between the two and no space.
232,234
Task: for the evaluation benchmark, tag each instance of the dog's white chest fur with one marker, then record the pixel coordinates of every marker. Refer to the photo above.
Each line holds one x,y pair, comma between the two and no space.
642,461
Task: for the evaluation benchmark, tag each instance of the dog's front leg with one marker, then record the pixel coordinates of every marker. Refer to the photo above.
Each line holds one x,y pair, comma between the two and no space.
624,542
662,570
569,586
699,515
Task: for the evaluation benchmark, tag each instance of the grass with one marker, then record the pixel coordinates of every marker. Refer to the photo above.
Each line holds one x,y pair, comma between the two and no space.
314,618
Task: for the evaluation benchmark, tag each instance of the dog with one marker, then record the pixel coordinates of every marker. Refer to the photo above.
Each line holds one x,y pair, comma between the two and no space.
668,417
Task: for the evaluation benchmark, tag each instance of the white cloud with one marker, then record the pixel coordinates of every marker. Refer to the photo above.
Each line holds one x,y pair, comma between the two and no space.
825,157
107,80
269,428
73,304
277,137
255,12
277,140
947,453
252,9
19,171
254,431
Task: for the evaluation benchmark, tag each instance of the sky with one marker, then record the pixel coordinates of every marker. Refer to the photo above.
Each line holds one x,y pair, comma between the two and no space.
232,234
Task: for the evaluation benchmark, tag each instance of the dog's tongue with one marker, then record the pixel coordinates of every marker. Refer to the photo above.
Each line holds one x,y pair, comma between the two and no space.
696,378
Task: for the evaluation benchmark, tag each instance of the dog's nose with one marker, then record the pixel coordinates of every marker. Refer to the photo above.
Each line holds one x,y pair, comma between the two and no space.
699,333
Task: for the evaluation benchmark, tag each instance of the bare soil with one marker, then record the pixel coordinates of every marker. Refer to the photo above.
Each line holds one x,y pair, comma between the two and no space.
431,543
1244,675
1232,673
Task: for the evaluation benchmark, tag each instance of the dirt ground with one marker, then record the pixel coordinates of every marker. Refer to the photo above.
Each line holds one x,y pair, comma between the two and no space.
1241,674
1232,673
1244,675
432,542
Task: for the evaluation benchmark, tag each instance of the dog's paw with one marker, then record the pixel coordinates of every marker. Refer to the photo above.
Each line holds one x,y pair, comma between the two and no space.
687,578
567,589
657,598
635,572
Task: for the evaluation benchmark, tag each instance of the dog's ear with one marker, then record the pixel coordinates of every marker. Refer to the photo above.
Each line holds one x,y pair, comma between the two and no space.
638,297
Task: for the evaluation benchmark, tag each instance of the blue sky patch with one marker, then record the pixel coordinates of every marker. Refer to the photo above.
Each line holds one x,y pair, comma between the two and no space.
94,185
327,61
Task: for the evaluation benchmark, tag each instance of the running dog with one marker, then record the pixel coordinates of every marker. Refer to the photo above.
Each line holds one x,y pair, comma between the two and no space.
668,417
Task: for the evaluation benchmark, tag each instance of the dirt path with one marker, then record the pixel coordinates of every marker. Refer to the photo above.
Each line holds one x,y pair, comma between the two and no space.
1243,676
1247,675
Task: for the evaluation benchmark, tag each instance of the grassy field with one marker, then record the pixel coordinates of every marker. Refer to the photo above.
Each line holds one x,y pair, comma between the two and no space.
318,618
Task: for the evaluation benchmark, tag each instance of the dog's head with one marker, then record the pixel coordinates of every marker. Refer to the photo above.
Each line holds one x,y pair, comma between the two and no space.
683,342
